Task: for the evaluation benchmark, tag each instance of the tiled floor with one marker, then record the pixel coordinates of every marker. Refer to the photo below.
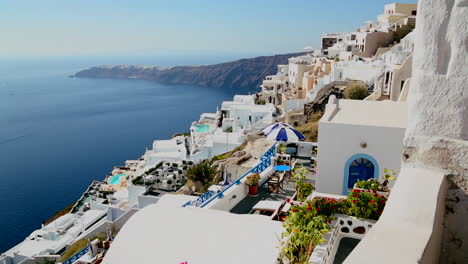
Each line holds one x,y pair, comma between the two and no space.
244,206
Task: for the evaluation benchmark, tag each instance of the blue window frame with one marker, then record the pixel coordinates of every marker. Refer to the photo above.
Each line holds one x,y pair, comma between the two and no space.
359,167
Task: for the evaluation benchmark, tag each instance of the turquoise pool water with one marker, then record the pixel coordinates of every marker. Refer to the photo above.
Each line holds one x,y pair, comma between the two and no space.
115,179
203,128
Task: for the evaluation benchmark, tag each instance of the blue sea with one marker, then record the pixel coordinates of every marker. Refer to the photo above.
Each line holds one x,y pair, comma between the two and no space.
57,134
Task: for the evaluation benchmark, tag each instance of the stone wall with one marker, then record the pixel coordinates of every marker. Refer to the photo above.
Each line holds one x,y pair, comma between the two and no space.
437,131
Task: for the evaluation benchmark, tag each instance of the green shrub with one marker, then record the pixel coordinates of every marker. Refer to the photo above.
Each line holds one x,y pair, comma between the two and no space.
169,182
137,180
151,170
370,184
303,189
203,172
73,249
356,91
221,156
305,227
365,204
180,134
402,31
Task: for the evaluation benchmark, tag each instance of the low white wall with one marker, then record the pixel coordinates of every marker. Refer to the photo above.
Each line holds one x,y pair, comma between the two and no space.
124,218
304,149
291,105
133,192
411,223
144,200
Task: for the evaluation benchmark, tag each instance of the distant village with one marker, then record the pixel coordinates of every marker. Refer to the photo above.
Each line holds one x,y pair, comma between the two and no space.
321,141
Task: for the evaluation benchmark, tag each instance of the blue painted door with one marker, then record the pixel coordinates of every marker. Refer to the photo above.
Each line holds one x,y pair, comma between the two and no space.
360,169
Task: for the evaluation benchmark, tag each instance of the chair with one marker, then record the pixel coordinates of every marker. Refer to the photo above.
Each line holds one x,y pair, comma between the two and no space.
275,183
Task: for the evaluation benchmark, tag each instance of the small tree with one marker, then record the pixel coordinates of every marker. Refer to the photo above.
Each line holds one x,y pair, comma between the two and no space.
356,91
203,172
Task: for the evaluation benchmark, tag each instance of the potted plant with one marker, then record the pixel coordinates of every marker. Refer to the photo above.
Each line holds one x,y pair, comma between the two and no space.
282,148
253,181
279,161
303,189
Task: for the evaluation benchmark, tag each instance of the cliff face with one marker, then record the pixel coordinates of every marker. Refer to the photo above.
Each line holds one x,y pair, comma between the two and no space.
244,75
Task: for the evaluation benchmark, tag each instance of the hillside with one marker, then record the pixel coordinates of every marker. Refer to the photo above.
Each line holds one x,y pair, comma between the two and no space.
244,74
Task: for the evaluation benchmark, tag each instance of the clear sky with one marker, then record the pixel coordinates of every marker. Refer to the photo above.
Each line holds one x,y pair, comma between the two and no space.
152,27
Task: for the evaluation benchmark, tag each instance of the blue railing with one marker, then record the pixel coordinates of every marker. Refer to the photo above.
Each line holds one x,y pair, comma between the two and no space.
76,256
204,197
209,196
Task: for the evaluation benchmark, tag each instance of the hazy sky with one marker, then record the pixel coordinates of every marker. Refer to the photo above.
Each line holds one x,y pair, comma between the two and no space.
151,27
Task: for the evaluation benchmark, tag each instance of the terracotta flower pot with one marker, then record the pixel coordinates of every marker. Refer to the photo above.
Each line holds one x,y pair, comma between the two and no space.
253,190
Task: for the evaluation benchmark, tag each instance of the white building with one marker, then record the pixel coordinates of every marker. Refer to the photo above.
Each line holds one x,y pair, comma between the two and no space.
163,150
357,141
53,239
397,71
274,85
357,70
397,13
211,137
297,67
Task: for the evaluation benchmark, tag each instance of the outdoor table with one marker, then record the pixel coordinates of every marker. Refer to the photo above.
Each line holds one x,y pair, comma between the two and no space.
282,168
265,205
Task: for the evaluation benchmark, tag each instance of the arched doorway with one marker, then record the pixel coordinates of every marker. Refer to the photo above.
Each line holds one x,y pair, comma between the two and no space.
359,167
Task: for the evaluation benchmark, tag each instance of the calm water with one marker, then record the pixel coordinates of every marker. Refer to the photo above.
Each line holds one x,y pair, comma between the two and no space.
57,134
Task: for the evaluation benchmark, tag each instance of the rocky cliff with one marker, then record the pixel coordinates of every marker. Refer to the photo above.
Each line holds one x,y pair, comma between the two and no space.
244,75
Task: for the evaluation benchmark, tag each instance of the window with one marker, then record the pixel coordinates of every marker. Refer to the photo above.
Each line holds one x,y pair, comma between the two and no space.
361,169
413,12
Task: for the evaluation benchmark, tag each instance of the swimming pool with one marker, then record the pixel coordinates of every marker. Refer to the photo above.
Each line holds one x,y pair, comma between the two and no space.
116,179
203,128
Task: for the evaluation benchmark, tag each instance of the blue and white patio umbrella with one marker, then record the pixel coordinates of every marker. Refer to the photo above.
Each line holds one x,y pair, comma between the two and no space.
282,132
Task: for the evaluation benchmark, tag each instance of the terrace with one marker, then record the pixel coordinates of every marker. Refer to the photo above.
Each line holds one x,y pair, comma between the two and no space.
264,194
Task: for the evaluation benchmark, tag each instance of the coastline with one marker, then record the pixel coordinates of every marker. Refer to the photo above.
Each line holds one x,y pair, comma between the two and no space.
83,140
